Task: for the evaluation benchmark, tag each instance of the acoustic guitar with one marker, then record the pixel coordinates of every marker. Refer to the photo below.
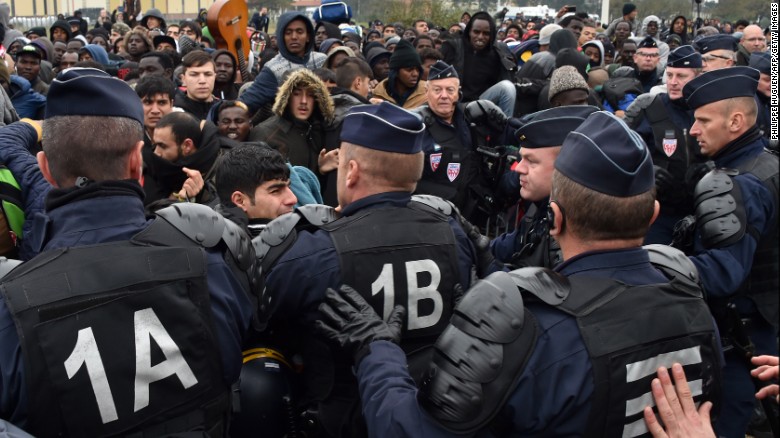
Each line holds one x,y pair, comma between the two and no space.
227,21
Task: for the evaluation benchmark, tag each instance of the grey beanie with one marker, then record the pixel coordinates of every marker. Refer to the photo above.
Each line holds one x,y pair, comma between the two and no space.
566,78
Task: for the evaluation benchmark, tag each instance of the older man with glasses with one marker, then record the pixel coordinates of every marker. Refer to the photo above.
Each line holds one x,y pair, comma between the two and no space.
717,51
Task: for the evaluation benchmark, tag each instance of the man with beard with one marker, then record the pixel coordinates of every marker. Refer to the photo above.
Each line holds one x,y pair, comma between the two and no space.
185,150
484,65
403,86
253,183
663,120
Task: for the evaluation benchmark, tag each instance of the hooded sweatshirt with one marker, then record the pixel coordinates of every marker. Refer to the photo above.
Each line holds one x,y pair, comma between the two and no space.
683,36
98,53
331,30
479,70
263,89
597,44
62,24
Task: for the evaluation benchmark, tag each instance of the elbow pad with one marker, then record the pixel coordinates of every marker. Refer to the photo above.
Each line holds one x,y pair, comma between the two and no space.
720,210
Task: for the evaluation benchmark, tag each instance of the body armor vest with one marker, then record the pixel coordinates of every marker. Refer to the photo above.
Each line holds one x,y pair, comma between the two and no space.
118,338
673,154
451,170
626,347
473,378
401,256
762,282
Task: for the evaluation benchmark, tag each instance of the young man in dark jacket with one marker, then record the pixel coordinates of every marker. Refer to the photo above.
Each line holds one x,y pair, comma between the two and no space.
485,66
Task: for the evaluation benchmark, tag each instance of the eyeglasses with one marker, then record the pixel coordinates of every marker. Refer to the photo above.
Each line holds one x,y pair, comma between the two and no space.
647,55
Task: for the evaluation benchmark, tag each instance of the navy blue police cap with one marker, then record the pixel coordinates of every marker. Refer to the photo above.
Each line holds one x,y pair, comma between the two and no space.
647,42
384,127
605,155
92,92
716,42
550,127
684,57
761,61
720,84
441,70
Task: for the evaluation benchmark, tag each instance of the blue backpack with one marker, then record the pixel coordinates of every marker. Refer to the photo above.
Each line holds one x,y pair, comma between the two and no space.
333,11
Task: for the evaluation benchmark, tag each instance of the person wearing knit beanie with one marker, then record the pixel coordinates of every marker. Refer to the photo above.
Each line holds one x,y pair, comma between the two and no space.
567,87
403,86
630,13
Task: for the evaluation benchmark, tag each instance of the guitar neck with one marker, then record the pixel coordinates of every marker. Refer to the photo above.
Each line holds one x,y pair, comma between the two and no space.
242,65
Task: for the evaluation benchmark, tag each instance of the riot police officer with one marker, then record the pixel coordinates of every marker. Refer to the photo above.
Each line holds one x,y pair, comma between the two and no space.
573,352
735,249
540,135
121,324
398,250
461,134
663,120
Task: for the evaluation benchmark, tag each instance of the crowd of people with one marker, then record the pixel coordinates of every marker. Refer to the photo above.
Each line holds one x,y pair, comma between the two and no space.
308,245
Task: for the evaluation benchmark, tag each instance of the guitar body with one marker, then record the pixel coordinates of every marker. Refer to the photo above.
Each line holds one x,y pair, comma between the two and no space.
227,21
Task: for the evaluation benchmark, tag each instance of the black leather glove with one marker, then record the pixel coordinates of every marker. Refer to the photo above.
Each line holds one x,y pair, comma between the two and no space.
695,173
487,112
481,243
348,320
664,182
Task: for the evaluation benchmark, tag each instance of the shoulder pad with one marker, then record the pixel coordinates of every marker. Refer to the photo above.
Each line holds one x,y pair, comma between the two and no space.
436,203
673,262
199,223
479,356
544,283
720,212
318,215
7,265
275,233
491,310
239,244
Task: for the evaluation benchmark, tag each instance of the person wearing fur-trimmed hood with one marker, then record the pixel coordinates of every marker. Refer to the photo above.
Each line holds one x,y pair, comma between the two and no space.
301,127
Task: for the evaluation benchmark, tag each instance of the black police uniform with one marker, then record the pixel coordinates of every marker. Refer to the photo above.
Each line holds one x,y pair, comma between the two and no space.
397,250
